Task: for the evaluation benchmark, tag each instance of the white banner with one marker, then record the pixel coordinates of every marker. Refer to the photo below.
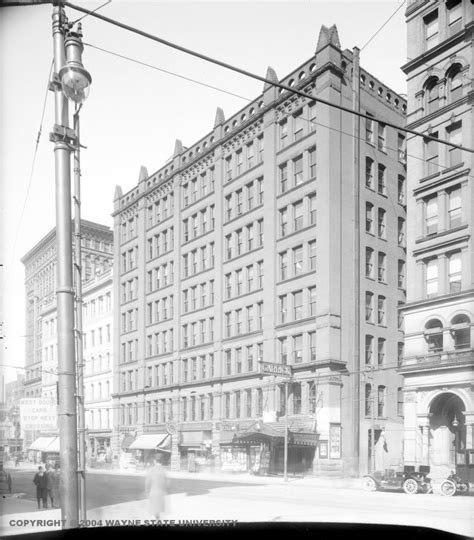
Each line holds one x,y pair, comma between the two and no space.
38,414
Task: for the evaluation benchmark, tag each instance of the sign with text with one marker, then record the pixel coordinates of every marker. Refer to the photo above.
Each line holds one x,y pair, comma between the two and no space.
269,368
38,414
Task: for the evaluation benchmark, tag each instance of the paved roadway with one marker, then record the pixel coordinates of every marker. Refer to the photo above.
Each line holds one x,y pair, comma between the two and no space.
193,498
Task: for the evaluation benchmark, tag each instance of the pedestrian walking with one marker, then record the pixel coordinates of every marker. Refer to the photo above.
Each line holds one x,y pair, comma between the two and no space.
56,474
40,480
156,489
49,484
5,478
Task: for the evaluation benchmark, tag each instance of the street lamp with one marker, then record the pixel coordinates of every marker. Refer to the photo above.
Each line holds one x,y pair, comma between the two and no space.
70,82
75,80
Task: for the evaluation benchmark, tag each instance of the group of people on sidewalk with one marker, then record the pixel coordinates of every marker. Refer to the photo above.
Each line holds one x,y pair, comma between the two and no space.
46,481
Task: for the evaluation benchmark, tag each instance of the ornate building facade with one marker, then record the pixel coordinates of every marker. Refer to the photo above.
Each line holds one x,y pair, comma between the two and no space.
439,314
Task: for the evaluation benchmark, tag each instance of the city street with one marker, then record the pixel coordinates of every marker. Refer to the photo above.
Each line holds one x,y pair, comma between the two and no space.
122,497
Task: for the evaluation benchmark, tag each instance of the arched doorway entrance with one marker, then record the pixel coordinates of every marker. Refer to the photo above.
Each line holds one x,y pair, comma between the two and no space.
447,431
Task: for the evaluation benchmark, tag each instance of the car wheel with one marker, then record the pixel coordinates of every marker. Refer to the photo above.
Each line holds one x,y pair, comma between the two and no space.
410,486
448,488
369,484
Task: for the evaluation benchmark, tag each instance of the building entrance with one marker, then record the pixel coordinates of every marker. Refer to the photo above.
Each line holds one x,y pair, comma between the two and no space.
447,434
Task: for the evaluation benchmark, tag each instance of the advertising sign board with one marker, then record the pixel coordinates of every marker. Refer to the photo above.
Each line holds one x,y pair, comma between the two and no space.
270,368
38,414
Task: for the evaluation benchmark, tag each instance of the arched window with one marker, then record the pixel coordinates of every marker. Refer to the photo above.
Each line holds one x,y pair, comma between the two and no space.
434,335
454,78
461,332
431,94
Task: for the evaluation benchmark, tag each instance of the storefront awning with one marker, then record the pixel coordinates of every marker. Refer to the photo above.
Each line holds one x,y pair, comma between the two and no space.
43,443
54,446
150,441
127,441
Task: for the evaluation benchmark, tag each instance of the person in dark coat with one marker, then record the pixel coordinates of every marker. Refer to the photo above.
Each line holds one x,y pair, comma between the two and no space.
41,481
5,477
49,484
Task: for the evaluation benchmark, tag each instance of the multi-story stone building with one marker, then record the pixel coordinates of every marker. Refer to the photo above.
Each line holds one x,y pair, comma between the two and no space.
439,314
277,237
40,282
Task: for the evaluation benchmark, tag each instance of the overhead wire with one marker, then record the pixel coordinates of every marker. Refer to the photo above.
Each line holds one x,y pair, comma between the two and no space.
260,78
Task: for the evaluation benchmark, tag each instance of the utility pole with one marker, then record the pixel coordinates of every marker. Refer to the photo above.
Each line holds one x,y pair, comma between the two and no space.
79,333
285,457
62,137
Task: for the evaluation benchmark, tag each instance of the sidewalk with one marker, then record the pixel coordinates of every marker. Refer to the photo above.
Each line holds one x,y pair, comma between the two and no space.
218,476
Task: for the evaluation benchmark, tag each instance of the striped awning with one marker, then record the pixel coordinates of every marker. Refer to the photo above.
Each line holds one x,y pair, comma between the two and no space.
150,441
42,444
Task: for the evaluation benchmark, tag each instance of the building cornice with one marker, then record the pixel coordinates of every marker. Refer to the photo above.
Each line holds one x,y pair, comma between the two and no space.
444,299
442,110
441,245
442,47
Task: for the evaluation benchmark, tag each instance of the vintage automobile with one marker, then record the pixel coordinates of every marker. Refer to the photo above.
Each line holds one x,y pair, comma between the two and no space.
410,480
459,481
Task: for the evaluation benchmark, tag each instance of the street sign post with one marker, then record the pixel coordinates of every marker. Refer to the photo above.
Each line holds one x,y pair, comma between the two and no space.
282,370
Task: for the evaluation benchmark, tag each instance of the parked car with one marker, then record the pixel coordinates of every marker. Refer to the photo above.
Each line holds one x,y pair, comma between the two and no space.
459,481
410,480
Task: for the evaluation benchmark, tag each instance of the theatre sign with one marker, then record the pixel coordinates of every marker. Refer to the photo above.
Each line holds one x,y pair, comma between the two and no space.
270,368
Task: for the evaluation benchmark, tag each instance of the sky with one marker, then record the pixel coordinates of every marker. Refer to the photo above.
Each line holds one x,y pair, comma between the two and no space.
135,113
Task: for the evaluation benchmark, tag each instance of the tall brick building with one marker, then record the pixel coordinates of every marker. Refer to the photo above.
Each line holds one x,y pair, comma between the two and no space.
277,237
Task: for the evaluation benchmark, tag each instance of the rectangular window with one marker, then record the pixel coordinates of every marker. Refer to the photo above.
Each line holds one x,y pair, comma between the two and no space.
369,262
298,123
283,265
312,115
260,274
298,349
260,232
369,218
249,358
250,237
431,155
381,267
283,221
381,182
431,29
283,133
260,190
401,232
228,247
369,130
402,157
312,301
312,346
454,272
381,223
454,208
239,236
250,319
297,260
298,216
240,162
312,163
381,137
228,168
297,305
369,349
381,310
312,208
228,326
238,321
401,274
239,203
260,148
228,207
369,172
400,401
228,286
260,315
431,215
239,282
298,170
283,307
250,196
250,155
455,137
283,351
250,278
401,189
312,255
454,15
283,178
381,401
369,307
380,351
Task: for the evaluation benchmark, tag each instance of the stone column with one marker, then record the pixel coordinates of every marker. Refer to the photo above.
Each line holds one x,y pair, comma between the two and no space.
424,423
